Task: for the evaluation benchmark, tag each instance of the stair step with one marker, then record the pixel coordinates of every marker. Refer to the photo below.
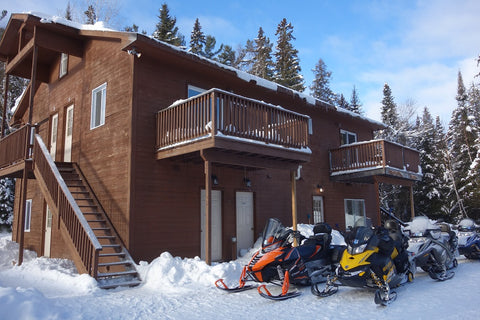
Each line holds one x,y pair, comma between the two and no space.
132,283
118,263
79,192
97,213
106,237
116,274
101,220
87,206
111,246
100,228
116,254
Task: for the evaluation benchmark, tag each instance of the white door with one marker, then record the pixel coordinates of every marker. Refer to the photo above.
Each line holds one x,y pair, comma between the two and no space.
318,209
67,154
216,225
48,232
245,237
53,136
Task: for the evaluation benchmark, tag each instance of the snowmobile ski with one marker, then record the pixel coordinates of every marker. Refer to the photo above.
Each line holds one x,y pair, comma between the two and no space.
442,276
327,292
263,291
383,300
222,286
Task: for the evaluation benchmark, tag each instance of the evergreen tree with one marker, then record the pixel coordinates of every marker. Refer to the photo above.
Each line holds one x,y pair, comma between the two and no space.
341,102
91,16
287,67
262,65
197,39
166,30
210,52
389,116
245,56
133,28
355,104
462,136
68,12
320,87
227,56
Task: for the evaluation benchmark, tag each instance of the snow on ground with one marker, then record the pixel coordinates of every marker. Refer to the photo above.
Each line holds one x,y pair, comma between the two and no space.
175,288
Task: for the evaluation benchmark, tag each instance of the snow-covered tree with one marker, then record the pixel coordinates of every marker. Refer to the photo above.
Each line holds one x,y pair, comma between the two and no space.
197,38
166,30
462,138
7,195
287,65
68,12
320,87
262,65
227,56
355,105
245,56
341,102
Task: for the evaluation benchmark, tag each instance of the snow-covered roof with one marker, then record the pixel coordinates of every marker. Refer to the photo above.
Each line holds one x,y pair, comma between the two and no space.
270,85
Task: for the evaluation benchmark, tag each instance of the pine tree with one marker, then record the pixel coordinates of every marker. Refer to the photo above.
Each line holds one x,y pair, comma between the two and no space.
7,194
389,116
227,56
166,30
197,39
262,65
245,56
320,87
210,52
355,104
341,102
91,16
287,66
68,12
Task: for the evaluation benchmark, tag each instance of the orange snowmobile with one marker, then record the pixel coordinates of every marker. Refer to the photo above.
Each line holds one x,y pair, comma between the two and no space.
280,263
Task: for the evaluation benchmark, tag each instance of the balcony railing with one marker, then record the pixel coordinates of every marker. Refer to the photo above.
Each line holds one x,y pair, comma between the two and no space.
15,147
220,113
373,154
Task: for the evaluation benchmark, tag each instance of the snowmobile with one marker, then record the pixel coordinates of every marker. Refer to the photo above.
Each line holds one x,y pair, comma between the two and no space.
433,247
375,258
280,263
468,239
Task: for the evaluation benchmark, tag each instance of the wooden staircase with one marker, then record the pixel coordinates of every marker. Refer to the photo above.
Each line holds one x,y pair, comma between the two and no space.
115,265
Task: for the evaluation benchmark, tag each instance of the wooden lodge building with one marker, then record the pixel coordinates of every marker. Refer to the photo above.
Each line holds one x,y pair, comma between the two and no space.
127,147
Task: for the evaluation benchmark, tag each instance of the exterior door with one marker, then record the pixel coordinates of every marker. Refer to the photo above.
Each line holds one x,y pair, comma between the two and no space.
216,225
53,136
318,215
48,232
67,154
245,237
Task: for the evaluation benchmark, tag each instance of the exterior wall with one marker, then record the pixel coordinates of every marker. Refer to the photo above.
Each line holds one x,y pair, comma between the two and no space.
165,207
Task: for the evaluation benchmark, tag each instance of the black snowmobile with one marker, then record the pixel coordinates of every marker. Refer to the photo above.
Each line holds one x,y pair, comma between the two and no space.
433,247
374,258
279,262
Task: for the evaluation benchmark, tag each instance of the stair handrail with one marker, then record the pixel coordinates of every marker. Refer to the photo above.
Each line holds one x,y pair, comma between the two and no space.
41,150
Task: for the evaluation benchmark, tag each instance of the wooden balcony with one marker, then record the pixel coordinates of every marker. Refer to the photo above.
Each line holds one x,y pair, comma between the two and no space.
360,162
227,124
15,152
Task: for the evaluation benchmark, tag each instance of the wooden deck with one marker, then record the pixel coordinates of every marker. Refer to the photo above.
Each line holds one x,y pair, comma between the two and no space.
224,123
360,162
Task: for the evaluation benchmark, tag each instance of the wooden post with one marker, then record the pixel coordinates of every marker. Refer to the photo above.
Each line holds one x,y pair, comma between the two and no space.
21,218
33,79
412,203
377,194
294,204
5,102
208,212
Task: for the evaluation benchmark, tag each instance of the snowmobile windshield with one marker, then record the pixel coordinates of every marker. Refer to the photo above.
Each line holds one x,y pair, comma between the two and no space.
273,231
466,225
359,236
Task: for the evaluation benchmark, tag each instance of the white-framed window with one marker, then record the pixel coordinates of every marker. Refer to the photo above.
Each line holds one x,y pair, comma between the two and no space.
28,215
318,215
99,100
347,137
354,211
63,65
194,91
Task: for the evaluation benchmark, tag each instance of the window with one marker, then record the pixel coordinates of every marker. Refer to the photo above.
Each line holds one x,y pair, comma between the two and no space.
354,211
99,97
347,137
28,214
63,65
318,209
193,91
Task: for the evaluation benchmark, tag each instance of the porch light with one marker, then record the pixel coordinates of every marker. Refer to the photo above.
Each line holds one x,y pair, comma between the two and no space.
320,188
214,180
134,52
247,182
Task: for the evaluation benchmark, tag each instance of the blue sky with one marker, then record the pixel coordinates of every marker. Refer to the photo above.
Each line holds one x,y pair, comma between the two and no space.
417,47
